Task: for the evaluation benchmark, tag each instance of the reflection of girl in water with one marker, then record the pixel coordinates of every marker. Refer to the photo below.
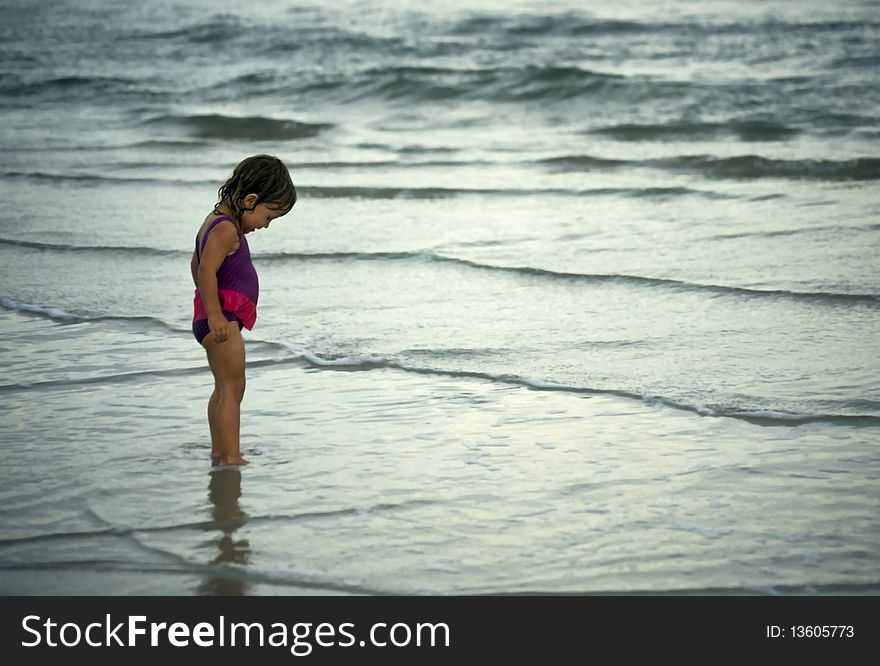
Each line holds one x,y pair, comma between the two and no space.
224,489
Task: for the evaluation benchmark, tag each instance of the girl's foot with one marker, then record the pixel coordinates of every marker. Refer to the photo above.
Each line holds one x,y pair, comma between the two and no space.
215,460
238,460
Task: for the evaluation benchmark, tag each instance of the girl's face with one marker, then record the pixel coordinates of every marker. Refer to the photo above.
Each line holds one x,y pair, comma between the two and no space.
259,218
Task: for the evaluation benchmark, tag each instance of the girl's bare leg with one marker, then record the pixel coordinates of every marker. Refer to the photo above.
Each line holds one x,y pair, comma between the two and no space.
212,420
227,363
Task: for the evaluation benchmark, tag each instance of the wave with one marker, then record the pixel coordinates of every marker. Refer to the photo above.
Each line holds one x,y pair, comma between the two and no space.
363,192
367,192
356,62
757,417
159,144
744,130
752,167
368,362
497,28
56,314
399,163
678,285
65,317
281,577
569,23
776,233
606,85
871,61
583,24
87,178
286,355
126,377
745,167
830,298
495,84
64,86
100,380
253,128
112,249
217,30
383,193
825,297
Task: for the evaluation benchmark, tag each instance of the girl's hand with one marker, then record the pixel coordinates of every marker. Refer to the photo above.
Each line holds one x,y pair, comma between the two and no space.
217,324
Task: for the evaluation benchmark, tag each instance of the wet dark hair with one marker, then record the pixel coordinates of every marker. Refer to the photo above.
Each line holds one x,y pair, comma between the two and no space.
263,175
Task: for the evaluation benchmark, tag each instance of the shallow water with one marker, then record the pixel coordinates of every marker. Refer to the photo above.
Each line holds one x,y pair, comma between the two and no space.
393,482
572,300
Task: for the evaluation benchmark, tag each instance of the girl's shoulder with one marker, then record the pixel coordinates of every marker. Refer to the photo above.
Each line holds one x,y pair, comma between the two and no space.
208,226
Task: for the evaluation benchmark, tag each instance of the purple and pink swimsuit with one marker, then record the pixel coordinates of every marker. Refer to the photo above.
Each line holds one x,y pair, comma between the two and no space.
237,287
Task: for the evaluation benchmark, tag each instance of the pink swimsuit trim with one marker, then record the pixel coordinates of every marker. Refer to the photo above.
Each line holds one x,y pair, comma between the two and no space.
230,301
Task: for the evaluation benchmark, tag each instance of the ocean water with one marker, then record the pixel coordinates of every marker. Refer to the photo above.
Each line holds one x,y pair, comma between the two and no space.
576,298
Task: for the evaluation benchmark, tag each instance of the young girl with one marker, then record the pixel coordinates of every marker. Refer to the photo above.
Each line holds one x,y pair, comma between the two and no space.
259,190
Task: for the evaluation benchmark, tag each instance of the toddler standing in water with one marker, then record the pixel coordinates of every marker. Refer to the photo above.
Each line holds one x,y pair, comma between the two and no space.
259,190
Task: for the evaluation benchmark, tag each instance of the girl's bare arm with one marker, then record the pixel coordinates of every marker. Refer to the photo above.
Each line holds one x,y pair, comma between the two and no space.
220,243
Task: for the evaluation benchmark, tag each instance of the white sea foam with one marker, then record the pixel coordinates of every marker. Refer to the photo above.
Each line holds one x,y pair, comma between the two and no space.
354,360
770,414
30,308
544,384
